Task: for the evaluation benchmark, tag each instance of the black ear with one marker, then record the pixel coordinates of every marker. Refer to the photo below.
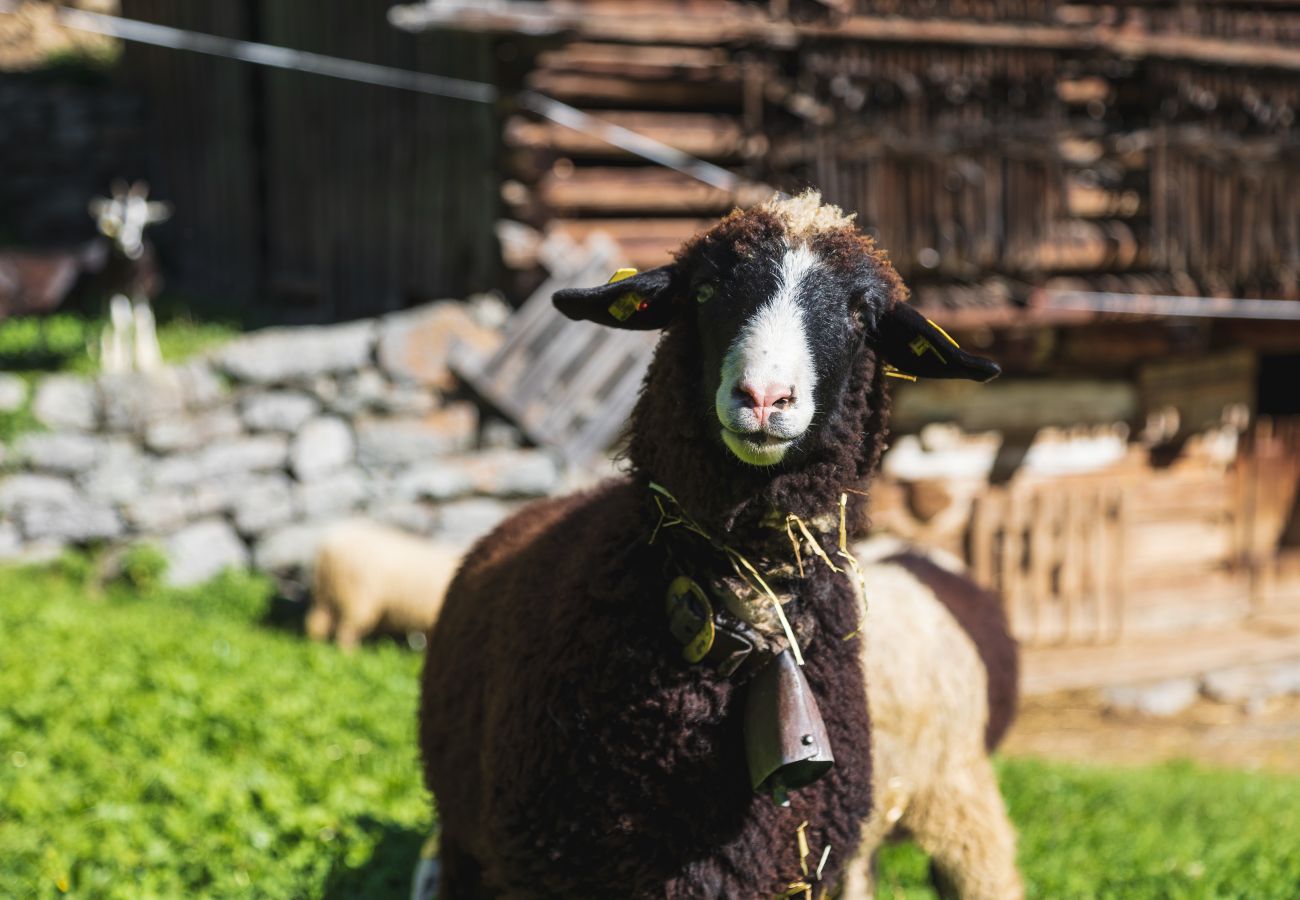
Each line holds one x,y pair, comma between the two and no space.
637,302
914,345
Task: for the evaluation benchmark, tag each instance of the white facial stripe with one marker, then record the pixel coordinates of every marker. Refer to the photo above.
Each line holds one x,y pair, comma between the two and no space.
772,351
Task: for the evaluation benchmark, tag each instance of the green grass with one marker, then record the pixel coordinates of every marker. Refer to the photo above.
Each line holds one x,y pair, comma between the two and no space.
69,342
150,749
158,743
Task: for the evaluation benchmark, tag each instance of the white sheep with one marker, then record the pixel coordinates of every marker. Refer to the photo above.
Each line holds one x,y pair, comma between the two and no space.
371,577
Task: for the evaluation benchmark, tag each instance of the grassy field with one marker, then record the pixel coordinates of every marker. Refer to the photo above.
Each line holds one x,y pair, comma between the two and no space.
156,743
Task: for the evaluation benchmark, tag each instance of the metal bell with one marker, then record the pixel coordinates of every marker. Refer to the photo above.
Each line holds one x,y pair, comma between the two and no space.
785,738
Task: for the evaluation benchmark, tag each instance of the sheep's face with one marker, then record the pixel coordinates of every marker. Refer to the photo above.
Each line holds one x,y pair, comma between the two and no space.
782,300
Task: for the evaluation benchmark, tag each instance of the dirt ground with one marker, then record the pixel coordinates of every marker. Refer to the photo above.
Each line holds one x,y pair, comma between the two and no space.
1078,727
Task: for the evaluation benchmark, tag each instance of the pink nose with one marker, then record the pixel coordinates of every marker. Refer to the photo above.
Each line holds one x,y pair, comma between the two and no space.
763,401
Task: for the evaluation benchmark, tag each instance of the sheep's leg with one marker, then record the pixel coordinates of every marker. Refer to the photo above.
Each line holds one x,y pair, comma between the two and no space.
148,355
114,356
355,622
962,823
320,621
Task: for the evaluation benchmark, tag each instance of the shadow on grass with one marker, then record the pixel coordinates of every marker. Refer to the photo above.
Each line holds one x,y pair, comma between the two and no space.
387,874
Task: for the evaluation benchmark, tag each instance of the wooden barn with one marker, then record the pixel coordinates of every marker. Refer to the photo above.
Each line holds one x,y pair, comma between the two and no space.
305,198
1104,196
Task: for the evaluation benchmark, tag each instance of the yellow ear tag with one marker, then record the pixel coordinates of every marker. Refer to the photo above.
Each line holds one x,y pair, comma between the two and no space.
690,618
627,305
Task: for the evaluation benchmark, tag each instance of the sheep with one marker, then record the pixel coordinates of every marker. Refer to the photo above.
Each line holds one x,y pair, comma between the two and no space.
573,747
370,577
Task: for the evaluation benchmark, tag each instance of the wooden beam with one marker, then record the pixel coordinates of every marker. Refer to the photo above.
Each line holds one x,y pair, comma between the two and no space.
647,23
704,135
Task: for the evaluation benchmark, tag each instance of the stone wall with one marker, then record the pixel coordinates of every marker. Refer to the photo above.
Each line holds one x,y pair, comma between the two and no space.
247,456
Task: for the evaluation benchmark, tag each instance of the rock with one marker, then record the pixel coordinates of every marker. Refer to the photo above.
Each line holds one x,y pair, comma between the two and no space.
221,495
414,345
118,474
68,452
359,391
201,387
192,432
132,400
11,542
24,489
158,513
282,355
263,505
1252,684
514,473
408,400
75,521
291,548
417,518
66,401
444,480
1160,698
402,441
321,446
498,434
222,459
468,520
500,473
331,495
202,550
13,392
278,410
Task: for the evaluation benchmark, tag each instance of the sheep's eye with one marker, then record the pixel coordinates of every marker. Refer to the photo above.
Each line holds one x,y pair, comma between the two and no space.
704,293
859,316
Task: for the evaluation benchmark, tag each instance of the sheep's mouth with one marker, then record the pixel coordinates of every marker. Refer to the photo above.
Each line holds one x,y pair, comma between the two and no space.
758,448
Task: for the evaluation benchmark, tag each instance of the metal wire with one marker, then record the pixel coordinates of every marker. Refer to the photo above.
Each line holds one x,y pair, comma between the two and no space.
386,76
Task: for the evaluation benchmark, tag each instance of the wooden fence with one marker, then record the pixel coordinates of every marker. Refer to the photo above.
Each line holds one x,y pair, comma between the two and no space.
1096,558
316,198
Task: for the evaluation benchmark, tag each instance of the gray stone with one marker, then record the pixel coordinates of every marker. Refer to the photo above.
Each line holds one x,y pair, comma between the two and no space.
433,481
67,452
359,391
499,473
291,548
1252,684
24,489
223,459
333,494
11,542
222,495
417,518
497,434
132,400
201,386
321,446
158,513
76,521
408,400
466,520
202,550
192,432
515,473
414,345
1159,698
118,475
279,410
66,401
399,442
281,355
264,504
13,392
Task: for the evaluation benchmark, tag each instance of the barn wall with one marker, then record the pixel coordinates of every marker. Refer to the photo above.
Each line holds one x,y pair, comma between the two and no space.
305,198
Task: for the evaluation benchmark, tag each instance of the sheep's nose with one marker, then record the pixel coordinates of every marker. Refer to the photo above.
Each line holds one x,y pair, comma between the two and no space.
766,400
